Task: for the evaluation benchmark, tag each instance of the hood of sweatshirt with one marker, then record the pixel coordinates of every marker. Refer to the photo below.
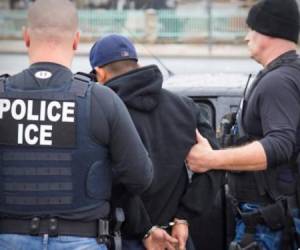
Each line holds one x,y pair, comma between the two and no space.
140,88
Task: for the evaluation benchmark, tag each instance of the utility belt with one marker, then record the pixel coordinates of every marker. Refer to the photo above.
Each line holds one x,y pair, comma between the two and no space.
55,227
273,216
99,229
276,216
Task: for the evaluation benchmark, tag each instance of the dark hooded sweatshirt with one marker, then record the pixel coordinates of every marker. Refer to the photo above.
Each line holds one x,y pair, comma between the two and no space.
166,123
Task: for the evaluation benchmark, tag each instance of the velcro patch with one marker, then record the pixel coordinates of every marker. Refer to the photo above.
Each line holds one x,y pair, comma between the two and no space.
32,122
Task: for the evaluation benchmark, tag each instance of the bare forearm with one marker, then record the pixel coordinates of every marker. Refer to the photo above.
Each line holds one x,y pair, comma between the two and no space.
202,157
250,157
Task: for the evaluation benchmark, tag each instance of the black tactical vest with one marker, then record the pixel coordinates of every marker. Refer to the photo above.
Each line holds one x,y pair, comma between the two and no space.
48,162
260,186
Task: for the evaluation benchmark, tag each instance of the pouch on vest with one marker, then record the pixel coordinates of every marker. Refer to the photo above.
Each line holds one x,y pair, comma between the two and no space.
273,215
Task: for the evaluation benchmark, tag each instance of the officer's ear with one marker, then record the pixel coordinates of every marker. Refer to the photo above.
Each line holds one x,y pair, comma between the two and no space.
76,40
26,37
101,75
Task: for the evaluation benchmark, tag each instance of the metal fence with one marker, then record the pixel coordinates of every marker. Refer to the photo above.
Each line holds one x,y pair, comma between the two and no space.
149,26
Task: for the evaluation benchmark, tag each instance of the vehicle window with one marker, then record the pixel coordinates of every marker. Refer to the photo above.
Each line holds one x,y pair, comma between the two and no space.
208,110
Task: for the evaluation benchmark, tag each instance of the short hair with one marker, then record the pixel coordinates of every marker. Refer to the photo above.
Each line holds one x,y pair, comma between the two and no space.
121,67
52,19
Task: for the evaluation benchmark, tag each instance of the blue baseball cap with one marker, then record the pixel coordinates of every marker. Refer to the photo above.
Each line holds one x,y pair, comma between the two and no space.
112,48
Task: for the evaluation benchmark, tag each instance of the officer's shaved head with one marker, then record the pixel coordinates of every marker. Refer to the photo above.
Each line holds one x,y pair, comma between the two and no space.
52,19
52,33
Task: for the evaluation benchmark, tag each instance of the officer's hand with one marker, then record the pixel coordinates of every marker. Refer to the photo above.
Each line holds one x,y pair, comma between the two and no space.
159,239
180,231
201,155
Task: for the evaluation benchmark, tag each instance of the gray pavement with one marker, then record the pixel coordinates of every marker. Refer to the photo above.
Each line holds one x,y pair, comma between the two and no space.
145,50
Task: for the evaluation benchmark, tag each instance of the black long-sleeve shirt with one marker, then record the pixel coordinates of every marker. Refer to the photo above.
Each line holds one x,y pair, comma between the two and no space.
272,112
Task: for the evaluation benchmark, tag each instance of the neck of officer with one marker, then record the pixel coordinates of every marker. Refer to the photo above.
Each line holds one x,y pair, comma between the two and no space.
50,52
275,49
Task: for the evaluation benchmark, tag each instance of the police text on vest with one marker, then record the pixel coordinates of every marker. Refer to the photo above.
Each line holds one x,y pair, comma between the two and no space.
35,119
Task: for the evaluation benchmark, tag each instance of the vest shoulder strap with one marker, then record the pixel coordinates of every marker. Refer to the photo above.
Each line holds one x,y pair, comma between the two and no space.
81,83
295,64
2,82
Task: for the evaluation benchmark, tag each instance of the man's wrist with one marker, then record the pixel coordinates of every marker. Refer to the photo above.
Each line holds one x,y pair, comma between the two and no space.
175,222
215,161
180,221
150,231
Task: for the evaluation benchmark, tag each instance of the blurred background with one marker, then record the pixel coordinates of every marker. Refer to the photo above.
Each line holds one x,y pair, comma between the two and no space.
187,36
151,21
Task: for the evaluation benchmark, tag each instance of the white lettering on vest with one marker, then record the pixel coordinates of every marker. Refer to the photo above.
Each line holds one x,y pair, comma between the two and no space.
50,112
32,134
18,109
29,136
46,135
43,111
68,112
30,115
4,106
20,133
29,112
